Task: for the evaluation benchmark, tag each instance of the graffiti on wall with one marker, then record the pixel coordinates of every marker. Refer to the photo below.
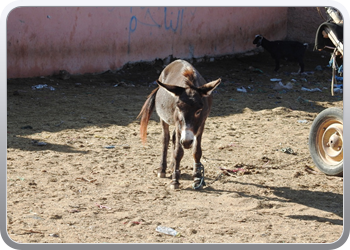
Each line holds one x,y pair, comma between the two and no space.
160,18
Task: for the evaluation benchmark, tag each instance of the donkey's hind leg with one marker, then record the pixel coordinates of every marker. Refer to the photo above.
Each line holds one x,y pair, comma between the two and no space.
165,142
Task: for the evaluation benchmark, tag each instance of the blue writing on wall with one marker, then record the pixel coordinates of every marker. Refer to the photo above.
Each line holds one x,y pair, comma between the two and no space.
172,25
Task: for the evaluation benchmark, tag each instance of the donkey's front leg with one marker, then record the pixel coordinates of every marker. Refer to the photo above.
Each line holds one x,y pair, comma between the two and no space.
173,138
165,141
178,153
198,168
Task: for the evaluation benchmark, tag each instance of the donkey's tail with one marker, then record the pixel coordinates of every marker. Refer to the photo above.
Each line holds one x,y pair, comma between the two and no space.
145,114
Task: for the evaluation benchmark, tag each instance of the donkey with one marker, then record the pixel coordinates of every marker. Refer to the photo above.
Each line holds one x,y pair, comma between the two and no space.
182,98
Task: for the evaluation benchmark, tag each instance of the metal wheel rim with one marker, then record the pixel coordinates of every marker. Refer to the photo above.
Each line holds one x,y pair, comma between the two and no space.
330,141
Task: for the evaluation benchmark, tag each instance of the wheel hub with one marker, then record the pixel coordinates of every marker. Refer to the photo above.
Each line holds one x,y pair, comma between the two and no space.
332,140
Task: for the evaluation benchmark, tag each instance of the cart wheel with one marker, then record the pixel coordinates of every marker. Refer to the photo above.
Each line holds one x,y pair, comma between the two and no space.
326,141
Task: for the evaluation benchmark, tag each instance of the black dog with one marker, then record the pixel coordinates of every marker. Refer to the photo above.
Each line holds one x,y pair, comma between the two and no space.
290,50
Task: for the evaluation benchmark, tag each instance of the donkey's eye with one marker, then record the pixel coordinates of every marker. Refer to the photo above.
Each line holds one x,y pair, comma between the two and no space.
198,112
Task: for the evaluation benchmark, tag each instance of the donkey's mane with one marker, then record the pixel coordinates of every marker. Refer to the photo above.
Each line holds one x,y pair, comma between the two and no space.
190,76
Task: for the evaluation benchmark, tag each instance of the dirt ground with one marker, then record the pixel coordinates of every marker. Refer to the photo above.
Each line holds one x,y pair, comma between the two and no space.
77,171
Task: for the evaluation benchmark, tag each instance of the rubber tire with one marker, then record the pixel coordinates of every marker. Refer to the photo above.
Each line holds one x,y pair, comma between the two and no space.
329,114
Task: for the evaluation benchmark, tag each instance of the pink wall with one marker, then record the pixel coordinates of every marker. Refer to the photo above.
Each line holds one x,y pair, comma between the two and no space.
44,40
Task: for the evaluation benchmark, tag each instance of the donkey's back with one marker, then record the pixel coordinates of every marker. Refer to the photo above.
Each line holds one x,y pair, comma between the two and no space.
179,72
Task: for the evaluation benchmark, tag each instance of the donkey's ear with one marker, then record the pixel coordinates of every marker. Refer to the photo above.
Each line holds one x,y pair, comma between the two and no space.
208,88
174,90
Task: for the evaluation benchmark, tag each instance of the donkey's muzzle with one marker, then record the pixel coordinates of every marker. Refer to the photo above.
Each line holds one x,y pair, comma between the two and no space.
186,143
187,138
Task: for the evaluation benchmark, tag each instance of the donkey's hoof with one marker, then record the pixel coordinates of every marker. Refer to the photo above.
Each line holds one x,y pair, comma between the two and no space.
175,186
161,175
198,183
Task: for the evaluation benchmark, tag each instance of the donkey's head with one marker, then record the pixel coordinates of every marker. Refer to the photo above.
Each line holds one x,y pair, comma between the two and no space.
191,107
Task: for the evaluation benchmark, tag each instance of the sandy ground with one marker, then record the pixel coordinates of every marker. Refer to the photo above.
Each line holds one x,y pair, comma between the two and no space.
77,171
